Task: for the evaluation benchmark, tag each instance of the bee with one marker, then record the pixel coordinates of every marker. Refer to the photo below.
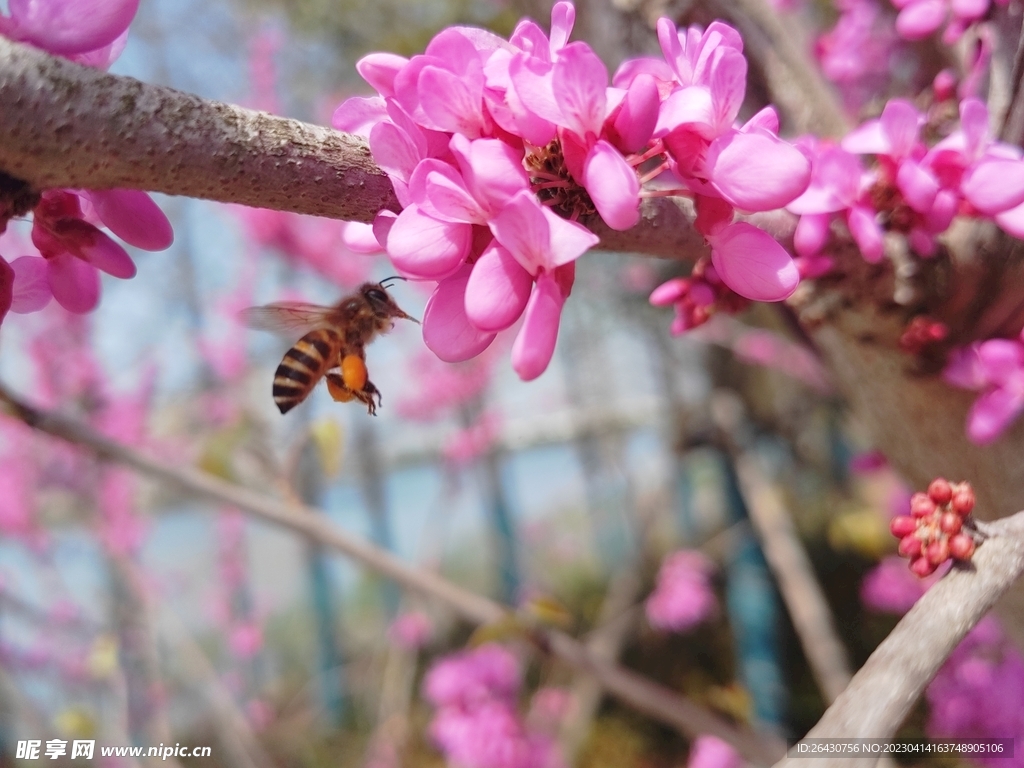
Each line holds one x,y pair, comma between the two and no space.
333,347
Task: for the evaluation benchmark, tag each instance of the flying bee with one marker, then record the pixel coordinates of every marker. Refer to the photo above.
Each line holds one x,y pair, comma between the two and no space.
333,347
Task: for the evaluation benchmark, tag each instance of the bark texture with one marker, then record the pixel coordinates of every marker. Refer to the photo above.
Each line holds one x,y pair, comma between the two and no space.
63,125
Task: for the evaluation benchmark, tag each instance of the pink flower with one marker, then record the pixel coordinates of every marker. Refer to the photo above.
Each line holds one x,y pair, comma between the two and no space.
890,587
245,640
979,692
859,52
996,367
476,724
712,752
410,630
682,597
919,18
497,149
487,672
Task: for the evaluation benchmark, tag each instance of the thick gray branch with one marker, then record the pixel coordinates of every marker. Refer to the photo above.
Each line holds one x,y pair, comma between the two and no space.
885,689
62,125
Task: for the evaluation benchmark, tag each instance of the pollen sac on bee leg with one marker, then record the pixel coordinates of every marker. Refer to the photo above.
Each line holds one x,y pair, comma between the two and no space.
336,386
353,372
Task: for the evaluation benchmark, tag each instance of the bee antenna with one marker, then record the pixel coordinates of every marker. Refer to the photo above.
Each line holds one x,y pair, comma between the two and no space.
383,283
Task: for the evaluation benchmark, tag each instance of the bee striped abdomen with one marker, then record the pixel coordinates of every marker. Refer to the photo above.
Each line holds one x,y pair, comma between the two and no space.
303,366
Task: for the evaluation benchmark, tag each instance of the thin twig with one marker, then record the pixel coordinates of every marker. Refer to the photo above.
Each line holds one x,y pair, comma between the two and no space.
792,568
632,689
885,689
242,749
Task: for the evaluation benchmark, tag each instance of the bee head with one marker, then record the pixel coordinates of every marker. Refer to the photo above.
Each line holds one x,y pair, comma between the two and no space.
380,300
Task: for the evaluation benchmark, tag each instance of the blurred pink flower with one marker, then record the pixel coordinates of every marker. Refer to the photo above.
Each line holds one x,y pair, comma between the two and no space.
712,752
476,724
488,672
245,640
683,597
890,587
979,692
473,441
858,53
67,27
549,707
411,630
996,367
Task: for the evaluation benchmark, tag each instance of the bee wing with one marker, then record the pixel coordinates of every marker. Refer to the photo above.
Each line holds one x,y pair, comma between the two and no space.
287,317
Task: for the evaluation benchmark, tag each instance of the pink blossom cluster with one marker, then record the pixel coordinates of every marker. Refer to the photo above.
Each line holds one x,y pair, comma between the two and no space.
66,223
477,724
913,189
682,597
498,150
859,53
995,368
979,692
918,19
890,587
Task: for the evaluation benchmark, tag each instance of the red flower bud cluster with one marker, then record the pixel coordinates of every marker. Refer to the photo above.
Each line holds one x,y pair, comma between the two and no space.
921,331
934,530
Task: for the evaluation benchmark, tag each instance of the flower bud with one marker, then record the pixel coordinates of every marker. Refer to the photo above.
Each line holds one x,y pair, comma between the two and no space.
910,546
963,499
940,491
921,505
961,546
901,525
950,522
922,567
938,551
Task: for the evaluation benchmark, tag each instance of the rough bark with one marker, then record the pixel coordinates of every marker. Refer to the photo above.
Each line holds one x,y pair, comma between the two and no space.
64,125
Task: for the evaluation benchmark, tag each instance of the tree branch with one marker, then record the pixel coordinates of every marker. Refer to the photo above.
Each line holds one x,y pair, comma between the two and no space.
67,126
64,125
885,689
632,689
792,568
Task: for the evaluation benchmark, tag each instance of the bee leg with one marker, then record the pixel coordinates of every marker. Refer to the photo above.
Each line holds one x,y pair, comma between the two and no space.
366,397
372,391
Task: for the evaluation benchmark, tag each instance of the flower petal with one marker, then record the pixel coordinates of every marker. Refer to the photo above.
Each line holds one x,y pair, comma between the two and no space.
753,264
74,283
71,26
920,19
865,230
918,186
535,343
31,286
447,331
613,186
497,291
104,253
425,247
991,414
134,217
757,171
994,185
